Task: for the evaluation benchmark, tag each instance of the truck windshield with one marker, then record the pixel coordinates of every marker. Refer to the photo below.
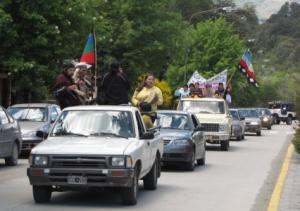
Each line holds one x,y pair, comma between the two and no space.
205,107
173,121
94,123
35,114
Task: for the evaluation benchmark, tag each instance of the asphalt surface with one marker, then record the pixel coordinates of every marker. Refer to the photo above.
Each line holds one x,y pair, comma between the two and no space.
240,179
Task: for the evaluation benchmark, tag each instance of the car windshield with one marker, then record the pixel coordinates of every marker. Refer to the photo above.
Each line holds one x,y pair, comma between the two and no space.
35,114
173,121
234,115
263,112
94,123
205,107
248,113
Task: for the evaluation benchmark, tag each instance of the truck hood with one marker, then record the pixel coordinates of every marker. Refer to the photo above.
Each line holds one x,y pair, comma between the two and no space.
212,118
83,145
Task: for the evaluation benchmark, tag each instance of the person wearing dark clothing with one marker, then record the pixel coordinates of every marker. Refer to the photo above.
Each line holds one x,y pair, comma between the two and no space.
220,91
115,86
64,89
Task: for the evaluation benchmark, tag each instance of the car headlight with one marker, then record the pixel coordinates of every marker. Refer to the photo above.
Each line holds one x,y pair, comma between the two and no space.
117,161
223,127
254,123
39,160
180,142
29,134
265,119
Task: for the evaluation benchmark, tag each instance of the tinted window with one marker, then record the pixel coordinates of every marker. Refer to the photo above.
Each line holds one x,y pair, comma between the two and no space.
173,121
38,114
94,123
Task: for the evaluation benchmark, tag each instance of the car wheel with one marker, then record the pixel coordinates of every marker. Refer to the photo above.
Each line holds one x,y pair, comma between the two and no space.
225,145
129,194
190,166
201,162
269,127
258,133
238,138
13,159
41,194
289,120
150,180
243,137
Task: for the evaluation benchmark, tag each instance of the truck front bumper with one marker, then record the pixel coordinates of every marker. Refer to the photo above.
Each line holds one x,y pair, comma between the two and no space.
216,138
92,177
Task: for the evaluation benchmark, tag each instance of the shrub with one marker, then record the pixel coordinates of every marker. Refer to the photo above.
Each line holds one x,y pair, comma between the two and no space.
296,141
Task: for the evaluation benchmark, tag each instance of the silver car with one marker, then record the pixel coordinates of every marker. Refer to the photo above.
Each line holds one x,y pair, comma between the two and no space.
34,118
238,125
253,122
10,138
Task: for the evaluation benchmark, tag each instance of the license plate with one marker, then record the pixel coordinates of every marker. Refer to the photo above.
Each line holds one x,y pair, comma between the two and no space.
77,180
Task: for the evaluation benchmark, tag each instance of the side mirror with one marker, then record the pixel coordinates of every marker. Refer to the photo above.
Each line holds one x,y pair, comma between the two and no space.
148,135
154,129
42,134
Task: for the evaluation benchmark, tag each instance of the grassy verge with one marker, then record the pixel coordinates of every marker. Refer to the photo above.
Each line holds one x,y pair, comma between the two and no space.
296,141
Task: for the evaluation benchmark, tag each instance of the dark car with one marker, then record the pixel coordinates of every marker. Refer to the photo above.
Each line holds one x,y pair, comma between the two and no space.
183,140
265,117
238,125
10,138
34,118
253,122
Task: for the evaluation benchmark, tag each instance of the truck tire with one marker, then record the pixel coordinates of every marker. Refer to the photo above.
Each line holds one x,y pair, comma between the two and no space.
129,194
225,145
150,180
289,120
41,194
13,159
201,162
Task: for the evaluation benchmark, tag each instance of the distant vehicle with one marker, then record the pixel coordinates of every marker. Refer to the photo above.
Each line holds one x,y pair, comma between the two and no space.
253,122
34,118
95,147
214,117
282,111
10,138
183,140
238,125
265,117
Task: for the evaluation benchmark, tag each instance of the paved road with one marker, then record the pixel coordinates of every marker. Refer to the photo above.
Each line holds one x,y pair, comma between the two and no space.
240,179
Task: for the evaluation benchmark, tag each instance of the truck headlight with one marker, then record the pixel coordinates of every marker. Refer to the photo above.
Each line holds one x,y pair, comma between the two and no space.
265,119
223,127
117,161
129,162
253,123
40,160
180,142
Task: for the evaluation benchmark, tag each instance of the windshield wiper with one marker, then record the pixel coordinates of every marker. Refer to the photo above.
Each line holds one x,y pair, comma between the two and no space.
69,134
108,134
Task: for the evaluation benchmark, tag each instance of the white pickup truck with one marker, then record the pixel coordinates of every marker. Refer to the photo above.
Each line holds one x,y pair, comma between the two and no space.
92,147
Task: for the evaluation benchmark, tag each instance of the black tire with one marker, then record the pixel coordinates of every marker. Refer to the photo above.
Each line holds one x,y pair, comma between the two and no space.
269,127
201,162
238,138
129,194
243,137
150,180
225,145
258,133
13,159
190,166
289,120
41,194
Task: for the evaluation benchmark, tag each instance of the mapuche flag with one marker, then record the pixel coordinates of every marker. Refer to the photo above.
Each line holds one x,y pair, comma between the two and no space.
88,55
245,67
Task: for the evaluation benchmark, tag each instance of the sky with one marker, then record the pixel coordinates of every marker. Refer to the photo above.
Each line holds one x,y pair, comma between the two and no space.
265,8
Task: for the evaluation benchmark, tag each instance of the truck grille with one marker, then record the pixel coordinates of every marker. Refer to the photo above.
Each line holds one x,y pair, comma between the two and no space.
78,162
208,127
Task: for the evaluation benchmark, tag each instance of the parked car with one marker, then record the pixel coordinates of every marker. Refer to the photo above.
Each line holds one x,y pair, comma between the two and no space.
10,138
282,111
253,122
265,117
93,147
34,118
183,139
214,116
238,125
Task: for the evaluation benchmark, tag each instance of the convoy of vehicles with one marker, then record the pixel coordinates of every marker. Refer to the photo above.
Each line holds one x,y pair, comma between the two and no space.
33,118
183,139
214,117
282,111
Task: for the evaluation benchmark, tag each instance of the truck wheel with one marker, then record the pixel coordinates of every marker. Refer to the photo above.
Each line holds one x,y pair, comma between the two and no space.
243,137
129,195
201,162
150,180
289,120
258,133
13,159
190,166
225,145
41,194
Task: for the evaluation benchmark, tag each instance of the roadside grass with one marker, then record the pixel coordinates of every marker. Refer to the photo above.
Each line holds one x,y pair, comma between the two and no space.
296,140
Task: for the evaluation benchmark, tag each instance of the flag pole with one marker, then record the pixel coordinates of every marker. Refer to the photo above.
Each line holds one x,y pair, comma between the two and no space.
95,61
231,77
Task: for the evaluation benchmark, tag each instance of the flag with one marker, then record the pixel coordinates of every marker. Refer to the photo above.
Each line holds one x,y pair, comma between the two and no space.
88,55
245,67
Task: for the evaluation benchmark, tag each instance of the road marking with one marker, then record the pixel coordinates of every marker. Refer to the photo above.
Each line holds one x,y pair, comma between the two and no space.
275,198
